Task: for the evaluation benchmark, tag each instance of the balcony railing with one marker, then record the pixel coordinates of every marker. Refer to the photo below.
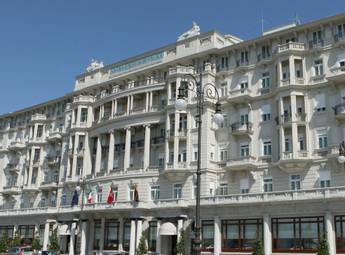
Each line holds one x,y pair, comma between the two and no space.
181,70
290,46
239,127
316,44
339,38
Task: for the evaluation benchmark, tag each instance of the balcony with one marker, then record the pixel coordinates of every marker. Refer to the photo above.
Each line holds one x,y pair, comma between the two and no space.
339,39
263,60
241,163
176,172
10,190
120,114
286,119
82,99
339,111
138,110
79,125
239,129
13,168
316,45
181,70
242,65
290,163
49,183
159,140
289,82
53,160
17,145
30,188
54,136
37,140
240,95
264,91
290,47
72,180
337,74
38,117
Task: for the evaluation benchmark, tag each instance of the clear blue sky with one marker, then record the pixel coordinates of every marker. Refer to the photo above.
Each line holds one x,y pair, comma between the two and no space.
45,44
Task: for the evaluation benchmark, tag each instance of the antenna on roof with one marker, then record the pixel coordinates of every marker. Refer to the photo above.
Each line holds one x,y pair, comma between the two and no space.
262,22
296,19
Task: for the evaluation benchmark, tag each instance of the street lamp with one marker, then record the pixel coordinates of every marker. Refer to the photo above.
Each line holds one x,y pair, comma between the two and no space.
203,92
341,157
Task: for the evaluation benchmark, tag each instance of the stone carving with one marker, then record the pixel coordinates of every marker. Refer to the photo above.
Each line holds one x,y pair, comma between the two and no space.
94,65
195,30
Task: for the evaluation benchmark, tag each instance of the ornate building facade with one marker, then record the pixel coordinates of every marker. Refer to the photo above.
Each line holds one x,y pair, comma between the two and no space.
269,172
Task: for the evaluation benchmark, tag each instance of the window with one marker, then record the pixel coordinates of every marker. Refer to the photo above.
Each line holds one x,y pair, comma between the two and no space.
126,235
287,144
131,193
182,156
224,124
223,155
296,234
265,51
318,67
37,155
341,30
241,235
152,236
244,57
244,186
195,152
224,62
320,103
83,115
155,192
244,119
295,182
177,190
340,233
268,184
267,148
243,83
266,112
39,133
26,232
111,235
224,90
183,122
317,37
97,235
301,143
99,194
79,166
63,200
6,229
223,189
325,178
244,149
322,138
34,175
265,80
207,233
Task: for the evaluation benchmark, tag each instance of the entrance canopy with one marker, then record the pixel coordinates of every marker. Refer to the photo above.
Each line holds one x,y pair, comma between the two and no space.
168,229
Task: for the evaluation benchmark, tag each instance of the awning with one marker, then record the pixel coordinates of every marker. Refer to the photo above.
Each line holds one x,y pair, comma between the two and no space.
168,229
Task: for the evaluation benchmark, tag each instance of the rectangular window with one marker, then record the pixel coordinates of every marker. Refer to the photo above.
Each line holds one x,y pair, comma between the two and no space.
244,57
83,115
267,148
317,37
322,138
223,189
295,182
318,67
325,178
152,236
155,192
26,232
341,30
241,235
296,234
126,235
34,175
244,186
266,112
111,235
287,145
224,90
265,80
99,194
6,229
244,119
243,85
39,133
244,149
301,143
177,190
207,233
340,233
223,155
37,155
268,184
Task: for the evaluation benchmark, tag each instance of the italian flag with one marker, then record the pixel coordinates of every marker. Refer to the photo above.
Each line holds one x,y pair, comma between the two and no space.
89,197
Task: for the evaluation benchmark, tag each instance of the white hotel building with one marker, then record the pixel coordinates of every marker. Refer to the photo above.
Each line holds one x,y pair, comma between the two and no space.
269,172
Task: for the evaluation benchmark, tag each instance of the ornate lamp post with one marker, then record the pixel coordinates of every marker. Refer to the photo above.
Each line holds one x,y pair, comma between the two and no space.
203,91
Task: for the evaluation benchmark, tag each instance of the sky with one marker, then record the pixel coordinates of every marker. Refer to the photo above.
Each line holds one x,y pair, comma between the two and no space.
44,44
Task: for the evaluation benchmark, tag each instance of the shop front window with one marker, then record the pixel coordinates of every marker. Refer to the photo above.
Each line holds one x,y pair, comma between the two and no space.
111,235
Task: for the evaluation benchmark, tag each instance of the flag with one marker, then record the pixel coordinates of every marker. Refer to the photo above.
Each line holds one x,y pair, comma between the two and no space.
110,199
75,198
89,198
136,194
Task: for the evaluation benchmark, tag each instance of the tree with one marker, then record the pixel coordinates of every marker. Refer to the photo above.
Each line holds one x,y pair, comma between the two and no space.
142,248
323,247
181,244
258,249
54,242
16,241
4,242
36,245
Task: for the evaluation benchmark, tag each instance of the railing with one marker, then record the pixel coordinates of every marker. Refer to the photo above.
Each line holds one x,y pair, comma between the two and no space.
83,99
263,57
38,117
242,160
181,70
316,44
287,118
289,46
240,63
139,109
338,70
339,38
240,92
241,127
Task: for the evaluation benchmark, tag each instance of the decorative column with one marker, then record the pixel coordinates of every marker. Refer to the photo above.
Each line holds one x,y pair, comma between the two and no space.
292,69
72,239
147,147
280,73
158,238
281,129
111,150
139,231
294,129
132,242
147,107
83,248
217,236
127,156
98,155
330,233
121,221
267,235
46,236
176,138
